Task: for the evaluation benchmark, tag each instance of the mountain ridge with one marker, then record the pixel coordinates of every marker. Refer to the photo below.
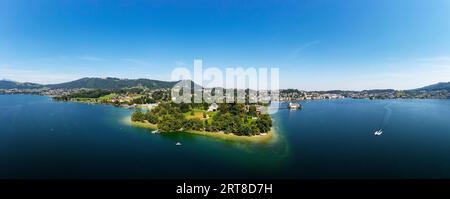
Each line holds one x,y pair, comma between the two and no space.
92,83
112,83
9,84
435,87
117,83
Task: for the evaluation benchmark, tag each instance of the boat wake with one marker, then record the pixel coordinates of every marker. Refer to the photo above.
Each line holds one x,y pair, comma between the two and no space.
385,120
386,117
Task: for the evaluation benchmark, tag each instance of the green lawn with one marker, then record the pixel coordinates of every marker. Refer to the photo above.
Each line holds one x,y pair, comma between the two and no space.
198,113
108,97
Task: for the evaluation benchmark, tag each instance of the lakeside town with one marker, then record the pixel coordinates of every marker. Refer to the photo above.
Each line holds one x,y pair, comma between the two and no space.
147,93
294,94
134,96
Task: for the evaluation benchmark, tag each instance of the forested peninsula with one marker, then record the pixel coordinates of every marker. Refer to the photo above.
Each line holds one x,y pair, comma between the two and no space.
224,118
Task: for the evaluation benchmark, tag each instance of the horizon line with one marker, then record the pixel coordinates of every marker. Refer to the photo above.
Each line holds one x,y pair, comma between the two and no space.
306,90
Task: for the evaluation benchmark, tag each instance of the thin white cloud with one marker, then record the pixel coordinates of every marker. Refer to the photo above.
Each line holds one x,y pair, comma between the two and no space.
297,52
90,58
436,59
135,61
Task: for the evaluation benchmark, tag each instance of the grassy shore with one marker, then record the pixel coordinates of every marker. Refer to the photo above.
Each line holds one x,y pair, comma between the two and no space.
264,138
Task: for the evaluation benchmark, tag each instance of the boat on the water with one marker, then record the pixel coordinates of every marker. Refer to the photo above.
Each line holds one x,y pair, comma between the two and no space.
178,144
379,132
155,131
294,105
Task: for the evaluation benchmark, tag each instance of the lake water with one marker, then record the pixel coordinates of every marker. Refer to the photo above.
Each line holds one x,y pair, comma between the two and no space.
40,138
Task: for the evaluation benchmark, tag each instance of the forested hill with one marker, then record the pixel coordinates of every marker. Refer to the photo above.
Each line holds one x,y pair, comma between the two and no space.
436,87
112,83
7,84
116,83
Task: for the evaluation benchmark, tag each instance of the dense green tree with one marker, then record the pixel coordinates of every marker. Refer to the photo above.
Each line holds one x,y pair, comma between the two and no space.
252,111
151,117
237,109
187,125
205,106
264,123
184,108
197,124
171,122
161,95
95,93
138,116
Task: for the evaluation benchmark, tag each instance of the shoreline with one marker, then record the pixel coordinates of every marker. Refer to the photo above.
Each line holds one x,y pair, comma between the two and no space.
265,138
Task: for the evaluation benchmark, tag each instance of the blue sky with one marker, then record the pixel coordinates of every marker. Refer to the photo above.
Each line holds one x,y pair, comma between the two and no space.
318,45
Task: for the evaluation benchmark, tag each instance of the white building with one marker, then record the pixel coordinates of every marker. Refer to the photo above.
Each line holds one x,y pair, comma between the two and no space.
213,107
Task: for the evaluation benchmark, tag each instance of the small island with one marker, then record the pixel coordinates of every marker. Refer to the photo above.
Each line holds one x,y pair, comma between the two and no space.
232,121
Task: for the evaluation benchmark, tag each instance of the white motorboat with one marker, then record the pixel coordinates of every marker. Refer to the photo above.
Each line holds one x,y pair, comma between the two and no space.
178,144
379,132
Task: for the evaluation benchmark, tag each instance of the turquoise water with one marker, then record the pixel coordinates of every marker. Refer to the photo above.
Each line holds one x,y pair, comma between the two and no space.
40,138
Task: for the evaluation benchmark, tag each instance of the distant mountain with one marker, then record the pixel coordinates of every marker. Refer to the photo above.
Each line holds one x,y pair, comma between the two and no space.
8,84
378,91
112,83
97,83
116,83
436,87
